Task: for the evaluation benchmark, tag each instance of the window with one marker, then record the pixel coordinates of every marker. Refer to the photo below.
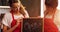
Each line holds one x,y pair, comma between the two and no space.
3,2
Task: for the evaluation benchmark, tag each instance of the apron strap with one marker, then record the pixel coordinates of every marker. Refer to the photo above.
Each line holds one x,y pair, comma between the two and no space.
12,15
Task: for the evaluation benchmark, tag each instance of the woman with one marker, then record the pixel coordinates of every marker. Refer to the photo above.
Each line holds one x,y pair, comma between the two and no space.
12,20
49,25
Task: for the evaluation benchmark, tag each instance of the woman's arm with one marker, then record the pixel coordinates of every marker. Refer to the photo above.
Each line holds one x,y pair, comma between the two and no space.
26,14
5,28
5,25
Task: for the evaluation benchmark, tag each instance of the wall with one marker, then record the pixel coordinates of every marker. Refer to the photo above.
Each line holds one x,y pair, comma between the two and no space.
32,6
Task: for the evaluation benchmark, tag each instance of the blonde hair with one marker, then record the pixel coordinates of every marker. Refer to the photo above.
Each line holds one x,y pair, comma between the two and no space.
22,8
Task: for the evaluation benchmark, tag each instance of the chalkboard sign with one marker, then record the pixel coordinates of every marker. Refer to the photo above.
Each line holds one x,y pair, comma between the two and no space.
32,25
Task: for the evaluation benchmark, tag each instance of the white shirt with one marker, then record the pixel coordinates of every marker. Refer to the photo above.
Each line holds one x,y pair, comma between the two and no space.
57,19
7,20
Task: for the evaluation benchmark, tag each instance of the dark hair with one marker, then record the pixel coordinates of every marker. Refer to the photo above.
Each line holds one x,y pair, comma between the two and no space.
51,3
12,1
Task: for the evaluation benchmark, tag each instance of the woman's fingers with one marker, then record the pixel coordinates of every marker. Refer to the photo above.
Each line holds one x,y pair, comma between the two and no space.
19,20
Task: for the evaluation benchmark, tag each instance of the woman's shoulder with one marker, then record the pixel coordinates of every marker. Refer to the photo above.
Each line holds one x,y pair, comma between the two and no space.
7,14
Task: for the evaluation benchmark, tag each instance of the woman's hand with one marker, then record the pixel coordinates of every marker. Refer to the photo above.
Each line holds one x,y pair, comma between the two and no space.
18,21
14,27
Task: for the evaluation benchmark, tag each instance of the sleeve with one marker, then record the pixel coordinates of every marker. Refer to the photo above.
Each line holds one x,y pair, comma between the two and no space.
57,19
5,20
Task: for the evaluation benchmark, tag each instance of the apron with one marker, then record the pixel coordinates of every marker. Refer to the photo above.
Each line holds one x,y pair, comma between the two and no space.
18,29
49,26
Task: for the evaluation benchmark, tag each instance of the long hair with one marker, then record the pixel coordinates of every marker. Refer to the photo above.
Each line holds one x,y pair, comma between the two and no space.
50,4
22,8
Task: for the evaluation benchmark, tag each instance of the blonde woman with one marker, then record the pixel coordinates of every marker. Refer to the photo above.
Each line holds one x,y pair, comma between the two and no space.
12,20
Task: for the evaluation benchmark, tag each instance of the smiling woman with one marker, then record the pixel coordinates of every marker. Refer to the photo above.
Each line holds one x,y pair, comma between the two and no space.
14,17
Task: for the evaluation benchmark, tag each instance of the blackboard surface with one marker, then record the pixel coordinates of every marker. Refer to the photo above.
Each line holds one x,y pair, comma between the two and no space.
32,25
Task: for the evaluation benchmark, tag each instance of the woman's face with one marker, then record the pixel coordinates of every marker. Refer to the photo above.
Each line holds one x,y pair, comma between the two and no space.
15,6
